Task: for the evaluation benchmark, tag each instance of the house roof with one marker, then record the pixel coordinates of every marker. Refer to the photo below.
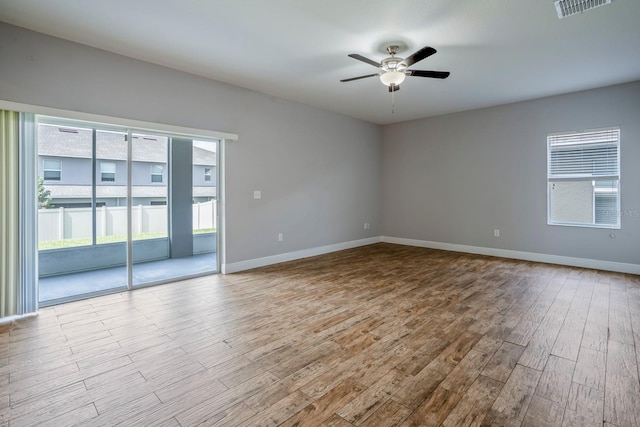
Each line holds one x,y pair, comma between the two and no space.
65,141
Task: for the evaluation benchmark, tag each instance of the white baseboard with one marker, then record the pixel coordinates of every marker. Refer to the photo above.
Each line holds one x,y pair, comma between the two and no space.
527,256
619,267
291,256
11,319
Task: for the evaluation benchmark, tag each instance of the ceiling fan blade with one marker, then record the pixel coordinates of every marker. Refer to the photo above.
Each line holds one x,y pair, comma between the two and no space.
358,78
363,59
419,55
432,74
394,88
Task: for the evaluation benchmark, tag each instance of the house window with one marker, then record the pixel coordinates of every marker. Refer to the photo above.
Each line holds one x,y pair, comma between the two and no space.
207,174
52,170
583,172
156,173
107,172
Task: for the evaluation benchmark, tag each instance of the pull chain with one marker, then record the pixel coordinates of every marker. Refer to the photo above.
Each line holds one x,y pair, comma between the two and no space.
393,100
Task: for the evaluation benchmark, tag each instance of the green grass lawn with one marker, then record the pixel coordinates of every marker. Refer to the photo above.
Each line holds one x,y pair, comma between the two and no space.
69,243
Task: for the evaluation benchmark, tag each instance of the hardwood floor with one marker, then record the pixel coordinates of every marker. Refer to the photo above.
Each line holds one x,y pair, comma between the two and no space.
376,336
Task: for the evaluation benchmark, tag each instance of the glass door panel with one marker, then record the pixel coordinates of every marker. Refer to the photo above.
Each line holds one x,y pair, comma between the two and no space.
188,246
81,173
205,205
149,207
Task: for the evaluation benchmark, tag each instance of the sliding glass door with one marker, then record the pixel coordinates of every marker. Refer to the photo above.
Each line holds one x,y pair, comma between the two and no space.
174,208
205,204
81,216
149,207
121,208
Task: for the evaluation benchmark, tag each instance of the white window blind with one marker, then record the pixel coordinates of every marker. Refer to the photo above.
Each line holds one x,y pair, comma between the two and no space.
583,171
583,155
156,173
107,172
52,170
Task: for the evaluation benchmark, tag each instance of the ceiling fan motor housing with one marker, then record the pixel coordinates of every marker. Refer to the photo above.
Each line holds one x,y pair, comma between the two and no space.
393,64
392,69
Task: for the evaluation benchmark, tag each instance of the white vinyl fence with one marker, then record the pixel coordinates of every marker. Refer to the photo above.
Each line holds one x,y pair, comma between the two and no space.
75,223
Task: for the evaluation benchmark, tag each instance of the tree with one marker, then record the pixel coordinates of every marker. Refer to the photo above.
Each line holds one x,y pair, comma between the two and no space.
44,196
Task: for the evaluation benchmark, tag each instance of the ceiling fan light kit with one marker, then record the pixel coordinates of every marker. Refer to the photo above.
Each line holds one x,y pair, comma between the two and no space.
392,78
392,68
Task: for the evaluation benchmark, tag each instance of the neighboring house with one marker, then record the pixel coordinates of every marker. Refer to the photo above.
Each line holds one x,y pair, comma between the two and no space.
65,163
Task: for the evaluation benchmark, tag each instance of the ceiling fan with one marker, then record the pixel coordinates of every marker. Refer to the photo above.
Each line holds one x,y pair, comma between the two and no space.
394,69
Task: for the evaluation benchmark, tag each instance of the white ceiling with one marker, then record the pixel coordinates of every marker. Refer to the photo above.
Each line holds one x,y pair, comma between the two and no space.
497,51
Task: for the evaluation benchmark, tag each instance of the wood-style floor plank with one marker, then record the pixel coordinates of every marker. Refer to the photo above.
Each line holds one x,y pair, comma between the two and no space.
555,382
473,407
596,330
622,389
567,343
585,406
390,414
511,405
321,410
382,335
503,361
591,368
433,410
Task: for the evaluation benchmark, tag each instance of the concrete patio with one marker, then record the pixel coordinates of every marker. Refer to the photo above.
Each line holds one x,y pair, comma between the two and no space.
65,287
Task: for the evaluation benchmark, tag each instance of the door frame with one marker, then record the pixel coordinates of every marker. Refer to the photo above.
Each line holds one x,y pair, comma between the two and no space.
29,290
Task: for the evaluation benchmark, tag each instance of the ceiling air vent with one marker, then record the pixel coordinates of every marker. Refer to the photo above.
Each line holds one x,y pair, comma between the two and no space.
573,7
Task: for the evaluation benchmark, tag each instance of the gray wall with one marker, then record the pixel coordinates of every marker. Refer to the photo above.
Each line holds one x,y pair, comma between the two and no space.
141,174
198,176
74,170
455,178
319,172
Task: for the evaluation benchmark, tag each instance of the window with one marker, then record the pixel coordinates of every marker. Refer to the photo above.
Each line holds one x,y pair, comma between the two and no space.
583,171
52,170
156,173
207,174
107,172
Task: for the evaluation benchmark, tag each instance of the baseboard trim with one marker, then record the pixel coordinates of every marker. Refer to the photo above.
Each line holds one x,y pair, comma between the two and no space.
15,318
236,267
619,267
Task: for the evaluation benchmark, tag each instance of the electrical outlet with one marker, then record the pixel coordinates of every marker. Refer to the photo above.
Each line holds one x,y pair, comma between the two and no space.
367,225
280,237
257,194
496,233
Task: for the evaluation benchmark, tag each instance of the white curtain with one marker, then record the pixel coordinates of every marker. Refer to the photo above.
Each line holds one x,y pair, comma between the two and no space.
9,214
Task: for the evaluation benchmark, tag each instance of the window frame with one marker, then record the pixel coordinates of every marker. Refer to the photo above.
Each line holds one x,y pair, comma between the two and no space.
45,170
207,176
551,179
155,174
102,172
